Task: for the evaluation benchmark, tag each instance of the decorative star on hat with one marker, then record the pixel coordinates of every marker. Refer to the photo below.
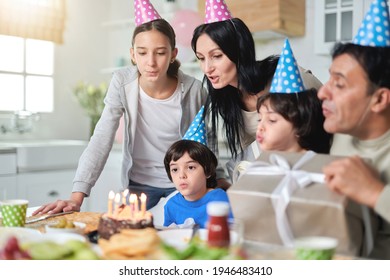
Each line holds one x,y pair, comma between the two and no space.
287,78
197,130
375,28
144,12
216,10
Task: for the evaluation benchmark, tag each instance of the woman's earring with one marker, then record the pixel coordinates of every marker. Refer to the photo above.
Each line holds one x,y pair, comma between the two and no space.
173,60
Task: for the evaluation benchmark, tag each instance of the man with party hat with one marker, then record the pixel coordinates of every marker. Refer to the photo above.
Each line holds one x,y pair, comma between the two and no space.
356,106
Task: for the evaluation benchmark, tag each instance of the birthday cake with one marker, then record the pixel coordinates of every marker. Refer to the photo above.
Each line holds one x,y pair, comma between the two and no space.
124,217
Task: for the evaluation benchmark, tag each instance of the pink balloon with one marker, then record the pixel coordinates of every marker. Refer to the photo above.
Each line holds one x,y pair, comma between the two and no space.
184,22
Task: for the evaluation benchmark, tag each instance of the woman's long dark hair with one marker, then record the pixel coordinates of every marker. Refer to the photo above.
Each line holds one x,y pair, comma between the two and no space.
165,28
236,41
304,111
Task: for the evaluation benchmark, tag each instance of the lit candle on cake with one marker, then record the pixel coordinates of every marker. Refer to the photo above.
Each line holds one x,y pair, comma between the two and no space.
133,199
143,204
117,201
136,206
111,196
124,196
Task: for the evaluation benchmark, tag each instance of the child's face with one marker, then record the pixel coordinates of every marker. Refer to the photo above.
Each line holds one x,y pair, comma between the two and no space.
189,177
274,132
152,52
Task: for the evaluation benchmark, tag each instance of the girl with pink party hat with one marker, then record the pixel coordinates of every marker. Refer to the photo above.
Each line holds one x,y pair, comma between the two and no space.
158,103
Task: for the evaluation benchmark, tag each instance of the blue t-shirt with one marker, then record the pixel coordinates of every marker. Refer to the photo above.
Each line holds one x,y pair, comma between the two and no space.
178,209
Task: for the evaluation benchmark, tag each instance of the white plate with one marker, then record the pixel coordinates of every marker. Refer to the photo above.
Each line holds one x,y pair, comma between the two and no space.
62,237
21,233
179,238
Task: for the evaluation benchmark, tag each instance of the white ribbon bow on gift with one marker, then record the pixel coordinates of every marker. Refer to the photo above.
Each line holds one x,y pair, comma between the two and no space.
292,180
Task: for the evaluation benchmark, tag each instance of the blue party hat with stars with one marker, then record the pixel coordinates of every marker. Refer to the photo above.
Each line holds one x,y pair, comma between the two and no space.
375,28
287,78
197,130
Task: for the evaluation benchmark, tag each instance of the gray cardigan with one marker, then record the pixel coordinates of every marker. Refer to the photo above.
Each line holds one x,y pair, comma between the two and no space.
122,99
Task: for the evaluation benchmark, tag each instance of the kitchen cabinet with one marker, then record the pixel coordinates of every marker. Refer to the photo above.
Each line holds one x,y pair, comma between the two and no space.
46,186
40,171
8,187
8,174
269,18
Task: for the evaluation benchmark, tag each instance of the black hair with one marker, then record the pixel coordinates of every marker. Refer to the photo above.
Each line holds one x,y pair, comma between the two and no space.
198,152
304,111
253,76
165,28
375,61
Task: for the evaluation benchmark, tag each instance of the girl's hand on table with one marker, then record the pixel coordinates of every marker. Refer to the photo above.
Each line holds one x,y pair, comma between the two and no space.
73,204
58,207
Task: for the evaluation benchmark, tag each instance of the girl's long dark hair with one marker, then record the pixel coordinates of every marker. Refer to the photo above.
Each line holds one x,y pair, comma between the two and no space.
236,41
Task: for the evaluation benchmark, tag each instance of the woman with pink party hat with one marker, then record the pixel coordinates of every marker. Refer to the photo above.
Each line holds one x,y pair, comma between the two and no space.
225,48
158,103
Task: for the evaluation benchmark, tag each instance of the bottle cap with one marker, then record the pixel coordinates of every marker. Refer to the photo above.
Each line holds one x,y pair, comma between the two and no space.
218,208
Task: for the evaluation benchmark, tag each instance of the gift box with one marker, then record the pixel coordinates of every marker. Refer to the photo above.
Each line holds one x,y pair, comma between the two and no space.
282,196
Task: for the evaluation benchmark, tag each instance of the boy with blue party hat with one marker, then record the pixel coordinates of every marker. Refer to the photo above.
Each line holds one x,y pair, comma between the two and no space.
356,106
290,117
191,166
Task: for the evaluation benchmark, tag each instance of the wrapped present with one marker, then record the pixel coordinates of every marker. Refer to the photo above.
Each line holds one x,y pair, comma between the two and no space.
282,196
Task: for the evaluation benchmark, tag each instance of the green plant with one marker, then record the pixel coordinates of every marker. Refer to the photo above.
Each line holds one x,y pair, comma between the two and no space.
91,97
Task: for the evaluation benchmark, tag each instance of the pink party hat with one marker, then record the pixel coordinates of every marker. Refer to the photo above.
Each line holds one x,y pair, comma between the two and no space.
144,12
216,10
375,28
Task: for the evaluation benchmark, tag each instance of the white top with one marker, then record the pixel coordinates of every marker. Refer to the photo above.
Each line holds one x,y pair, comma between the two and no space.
150,146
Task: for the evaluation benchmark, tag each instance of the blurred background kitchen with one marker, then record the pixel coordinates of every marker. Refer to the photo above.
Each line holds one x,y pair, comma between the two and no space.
51,88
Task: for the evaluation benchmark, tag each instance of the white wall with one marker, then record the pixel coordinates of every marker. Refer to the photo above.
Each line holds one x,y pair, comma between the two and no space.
90,47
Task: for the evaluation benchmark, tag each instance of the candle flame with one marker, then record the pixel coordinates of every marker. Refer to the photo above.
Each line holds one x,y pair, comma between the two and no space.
143,197
111,195
125,192
117,198
133,198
